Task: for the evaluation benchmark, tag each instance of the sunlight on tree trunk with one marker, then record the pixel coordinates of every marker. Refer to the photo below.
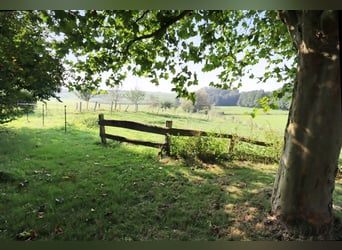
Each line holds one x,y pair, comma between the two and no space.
305,181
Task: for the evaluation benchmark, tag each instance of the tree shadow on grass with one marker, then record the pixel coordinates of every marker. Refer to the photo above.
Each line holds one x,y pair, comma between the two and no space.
245,198
243,193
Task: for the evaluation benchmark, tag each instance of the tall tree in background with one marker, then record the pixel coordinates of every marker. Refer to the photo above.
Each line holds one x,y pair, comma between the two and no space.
116,94
250,98
300,49
135,96
29,70
154,102
85,95
187,106
202,101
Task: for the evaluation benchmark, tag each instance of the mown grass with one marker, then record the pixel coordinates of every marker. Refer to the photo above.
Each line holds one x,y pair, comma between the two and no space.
220,119
67,186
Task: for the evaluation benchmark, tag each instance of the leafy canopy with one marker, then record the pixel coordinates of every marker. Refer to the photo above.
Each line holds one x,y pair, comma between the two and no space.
164,44
29,70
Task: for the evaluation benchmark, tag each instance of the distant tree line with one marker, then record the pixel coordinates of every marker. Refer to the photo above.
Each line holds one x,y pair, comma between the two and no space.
229,97
205,99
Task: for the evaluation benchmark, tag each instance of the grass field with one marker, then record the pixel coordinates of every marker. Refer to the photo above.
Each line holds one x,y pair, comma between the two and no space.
68,186
220,119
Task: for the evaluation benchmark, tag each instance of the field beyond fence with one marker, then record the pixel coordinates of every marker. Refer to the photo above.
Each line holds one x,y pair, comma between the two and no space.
166,131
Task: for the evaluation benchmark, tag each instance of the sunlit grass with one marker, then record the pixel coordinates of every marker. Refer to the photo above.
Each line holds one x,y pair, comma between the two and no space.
67,186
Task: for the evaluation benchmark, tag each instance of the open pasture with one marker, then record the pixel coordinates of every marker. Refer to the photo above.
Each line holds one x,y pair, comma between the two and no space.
235,120
57,185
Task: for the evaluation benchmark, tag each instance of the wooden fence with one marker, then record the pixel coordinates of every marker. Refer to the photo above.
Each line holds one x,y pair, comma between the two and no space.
166,131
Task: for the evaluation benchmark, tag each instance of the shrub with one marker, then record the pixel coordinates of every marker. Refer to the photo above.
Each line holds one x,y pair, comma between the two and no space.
205,148
211,149
249,152
90,122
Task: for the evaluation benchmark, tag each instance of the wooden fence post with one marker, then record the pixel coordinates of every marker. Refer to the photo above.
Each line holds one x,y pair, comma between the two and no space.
111,108
231,144
167,139
102,129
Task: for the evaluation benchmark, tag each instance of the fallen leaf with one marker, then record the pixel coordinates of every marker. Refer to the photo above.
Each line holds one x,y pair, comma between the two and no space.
24,235
40,215
58,230
164,207
175,198
27,235
214,229
223,186
240,185
60,200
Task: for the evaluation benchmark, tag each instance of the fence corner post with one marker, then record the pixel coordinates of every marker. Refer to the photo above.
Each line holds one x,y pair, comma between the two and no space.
231,144
167,138
102,129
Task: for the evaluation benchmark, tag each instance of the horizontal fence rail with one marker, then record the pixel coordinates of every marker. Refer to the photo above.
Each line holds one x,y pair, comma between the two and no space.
133,141
167,131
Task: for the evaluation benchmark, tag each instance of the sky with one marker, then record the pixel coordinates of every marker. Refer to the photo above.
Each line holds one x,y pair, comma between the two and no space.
133,82
204,78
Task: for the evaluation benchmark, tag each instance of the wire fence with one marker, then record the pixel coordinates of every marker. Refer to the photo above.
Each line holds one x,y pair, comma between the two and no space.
63,114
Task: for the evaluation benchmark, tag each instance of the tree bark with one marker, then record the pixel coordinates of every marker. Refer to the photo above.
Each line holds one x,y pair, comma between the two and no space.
303,188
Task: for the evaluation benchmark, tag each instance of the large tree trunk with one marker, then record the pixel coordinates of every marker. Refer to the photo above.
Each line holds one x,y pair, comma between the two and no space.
302,194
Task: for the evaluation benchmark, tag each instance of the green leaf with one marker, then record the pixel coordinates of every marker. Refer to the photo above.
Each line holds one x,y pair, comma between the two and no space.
229,41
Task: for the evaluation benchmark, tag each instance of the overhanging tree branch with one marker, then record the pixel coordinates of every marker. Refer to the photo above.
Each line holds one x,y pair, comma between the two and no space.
159,31
291,20
142,16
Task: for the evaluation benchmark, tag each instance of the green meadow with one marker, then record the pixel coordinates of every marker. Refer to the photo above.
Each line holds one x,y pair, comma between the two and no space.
58,184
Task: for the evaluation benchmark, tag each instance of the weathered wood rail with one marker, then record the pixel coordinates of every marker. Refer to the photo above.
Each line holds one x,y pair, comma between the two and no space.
167,131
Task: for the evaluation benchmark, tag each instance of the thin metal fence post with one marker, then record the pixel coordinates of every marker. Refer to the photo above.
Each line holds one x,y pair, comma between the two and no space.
65,119
43,115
